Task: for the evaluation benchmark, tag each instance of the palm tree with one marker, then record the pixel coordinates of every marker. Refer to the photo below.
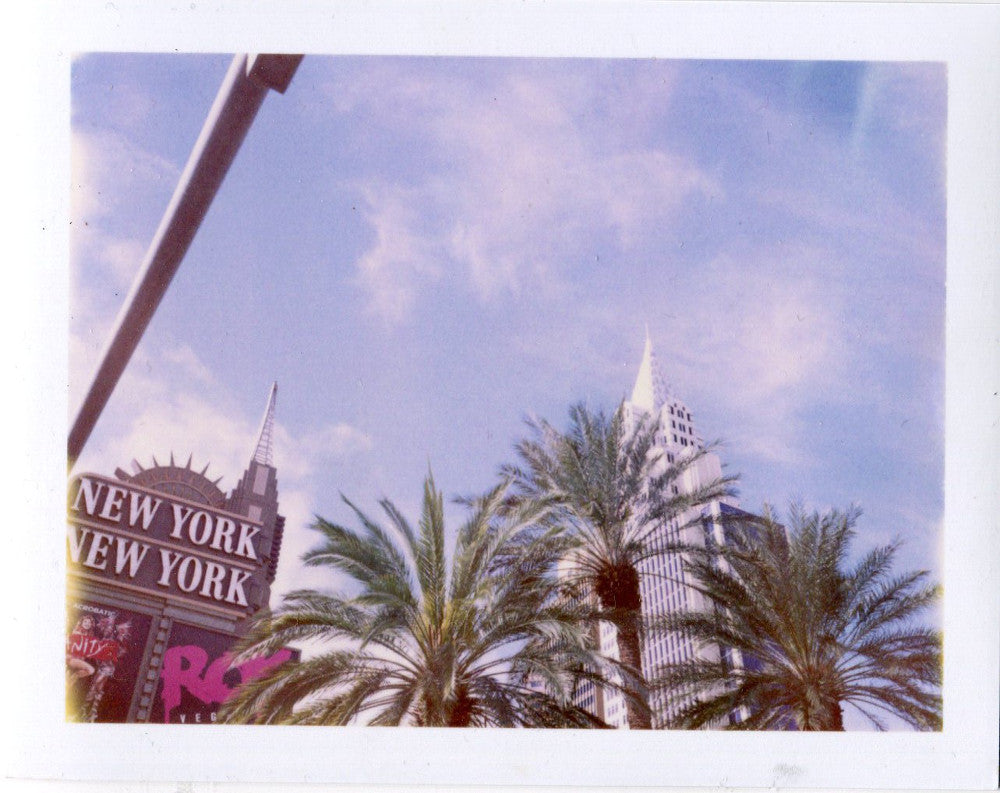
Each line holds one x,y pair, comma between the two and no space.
490,643
613,491
815,632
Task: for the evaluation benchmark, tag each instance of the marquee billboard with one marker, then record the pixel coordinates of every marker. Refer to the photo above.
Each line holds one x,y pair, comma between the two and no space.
146,541
166,572
197,675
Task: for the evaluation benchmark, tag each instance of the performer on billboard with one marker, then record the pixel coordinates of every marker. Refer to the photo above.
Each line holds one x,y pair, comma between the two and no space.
116,638
77,667
93,650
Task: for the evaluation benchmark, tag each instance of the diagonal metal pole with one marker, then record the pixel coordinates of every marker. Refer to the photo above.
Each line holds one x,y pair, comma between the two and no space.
247,82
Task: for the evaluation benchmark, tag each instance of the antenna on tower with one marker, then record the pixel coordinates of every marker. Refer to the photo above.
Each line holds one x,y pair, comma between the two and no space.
264,453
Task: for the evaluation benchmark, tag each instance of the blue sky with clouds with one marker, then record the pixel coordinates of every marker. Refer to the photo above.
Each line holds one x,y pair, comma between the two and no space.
422,251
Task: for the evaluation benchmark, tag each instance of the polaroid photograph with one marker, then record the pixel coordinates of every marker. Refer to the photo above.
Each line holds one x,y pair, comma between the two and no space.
613,381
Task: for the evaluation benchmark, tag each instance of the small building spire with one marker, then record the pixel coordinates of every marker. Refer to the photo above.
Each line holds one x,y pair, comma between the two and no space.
651,391
264,453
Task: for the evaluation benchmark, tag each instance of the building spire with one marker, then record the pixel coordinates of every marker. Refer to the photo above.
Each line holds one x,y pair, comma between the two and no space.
264,453
650,391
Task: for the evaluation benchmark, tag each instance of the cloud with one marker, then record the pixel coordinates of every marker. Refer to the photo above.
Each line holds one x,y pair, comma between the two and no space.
164,404
301,456
296,505
783,336
908,103
107,168
336,440
876,185
109,176
168,403
770,324
774,344
122,256
186,358
515,194
402,260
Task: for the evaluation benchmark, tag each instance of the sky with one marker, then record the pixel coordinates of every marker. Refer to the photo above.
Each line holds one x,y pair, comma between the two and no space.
424,251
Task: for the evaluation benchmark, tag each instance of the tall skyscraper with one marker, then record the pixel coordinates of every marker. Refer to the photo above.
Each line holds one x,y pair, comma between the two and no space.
663,587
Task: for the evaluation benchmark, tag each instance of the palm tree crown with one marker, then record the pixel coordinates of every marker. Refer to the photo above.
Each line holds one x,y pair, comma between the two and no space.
613,491
814,632
484,643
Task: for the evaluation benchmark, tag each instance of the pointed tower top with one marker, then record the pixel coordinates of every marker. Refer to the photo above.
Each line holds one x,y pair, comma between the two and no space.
651,390
264,453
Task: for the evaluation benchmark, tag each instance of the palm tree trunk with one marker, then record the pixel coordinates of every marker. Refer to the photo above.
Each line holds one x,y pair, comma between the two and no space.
821,715
630,653
618,591
460,714
835,718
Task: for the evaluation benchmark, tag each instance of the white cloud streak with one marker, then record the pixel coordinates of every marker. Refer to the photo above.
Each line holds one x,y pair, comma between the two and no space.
781,343
175,406
403,260
108,171
523,197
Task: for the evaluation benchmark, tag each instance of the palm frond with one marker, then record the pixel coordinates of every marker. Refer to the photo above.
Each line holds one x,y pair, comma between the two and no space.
815,632
612,494
422,637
